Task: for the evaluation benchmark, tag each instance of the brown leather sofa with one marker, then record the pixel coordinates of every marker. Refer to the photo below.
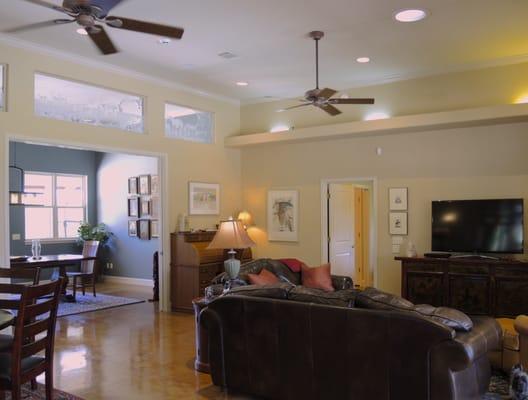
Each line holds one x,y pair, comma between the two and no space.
283,349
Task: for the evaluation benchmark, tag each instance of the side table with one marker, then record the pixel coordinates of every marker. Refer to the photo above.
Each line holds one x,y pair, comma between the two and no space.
201,362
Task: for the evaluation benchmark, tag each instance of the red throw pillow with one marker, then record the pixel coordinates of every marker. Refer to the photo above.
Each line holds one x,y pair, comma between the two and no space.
264,278
317,278
292,263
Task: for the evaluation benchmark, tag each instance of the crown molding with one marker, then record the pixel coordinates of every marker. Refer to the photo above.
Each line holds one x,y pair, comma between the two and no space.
101,65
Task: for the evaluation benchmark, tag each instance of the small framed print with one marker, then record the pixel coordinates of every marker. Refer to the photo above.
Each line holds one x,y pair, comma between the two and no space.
133,207
144,184
154,228
132,228
154,185
145,208
155,207
397,199
144,229
283,215
204,198
3,84
133,185
398,223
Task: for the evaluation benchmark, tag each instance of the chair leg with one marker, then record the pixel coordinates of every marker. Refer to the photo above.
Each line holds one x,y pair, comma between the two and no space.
83,283
74,287
93,280
16,393
34,385
49,383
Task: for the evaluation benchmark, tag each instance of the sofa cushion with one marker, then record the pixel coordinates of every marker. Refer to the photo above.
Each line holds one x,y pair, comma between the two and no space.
255,266
341,298
264,277
292,263
376,299
447,316
274,291
317,278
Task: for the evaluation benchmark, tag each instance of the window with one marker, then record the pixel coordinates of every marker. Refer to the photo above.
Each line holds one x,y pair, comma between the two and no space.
87,104
58,207
188,124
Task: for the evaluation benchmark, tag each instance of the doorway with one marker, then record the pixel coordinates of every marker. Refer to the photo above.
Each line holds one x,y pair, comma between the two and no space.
349,228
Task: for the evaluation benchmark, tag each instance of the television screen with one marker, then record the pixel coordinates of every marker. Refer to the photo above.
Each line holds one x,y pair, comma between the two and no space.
478,226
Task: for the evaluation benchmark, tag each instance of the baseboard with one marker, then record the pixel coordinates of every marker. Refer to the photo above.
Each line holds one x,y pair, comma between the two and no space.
128,281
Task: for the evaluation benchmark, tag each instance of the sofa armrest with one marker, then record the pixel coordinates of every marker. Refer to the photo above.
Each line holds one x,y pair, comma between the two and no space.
521,325
342,282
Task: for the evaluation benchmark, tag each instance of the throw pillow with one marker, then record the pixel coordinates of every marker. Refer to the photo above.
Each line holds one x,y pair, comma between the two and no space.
292,263
263,278
317,278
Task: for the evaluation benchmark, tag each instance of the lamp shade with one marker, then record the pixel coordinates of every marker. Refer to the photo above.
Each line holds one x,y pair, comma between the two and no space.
231,235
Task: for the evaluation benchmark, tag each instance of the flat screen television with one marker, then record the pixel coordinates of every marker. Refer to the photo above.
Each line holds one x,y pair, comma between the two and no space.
478,226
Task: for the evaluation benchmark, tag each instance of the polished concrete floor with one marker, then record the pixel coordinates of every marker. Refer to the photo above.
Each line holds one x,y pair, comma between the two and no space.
130,352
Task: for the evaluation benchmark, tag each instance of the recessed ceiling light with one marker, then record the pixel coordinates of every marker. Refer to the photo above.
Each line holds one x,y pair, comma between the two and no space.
82,31
164,41
376,115
242,83
410,15
227,55
363,60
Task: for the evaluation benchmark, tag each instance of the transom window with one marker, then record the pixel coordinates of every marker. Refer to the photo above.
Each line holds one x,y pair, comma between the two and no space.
188,124
58,206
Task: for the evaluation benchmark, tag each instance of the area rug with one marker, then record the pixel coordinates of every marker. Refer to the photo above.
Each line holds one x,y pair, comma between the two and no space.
40,394
499,387
90,303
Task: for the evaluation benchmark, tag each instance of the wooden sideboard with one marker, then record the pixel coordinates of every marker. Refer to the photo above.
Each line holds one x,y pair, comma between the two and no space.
193,266
475,286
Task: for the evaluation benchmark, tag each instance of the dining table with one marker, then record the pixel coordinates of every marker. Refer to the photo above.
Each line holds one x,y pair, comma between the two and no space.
58,261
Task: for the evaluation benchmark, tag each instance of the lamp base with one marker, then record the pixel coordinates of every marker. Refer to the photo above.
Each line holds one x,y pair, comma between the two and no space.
232,265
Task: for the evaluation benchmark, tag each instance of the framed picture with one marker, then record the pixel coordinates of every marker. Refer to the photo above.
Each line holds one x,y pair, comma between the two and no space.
132,228
133,207
398,199
283,215
3,85
145,208
144,229
398,223
133,185
155,207
204,198
144,184
154,228
154,185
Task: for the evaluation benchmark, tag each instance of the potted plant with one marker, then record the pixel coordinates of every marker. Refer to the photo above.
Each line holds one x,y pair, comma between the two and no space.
99,233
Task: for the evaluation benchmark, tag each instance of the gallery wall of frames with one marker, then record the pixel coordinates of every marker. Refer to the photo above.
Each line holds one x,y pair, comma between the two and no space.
143,207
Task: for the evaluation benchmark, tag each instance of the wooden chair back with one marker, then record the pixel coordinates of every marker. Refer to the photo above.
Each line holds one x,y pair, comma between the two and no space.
89,250
22,275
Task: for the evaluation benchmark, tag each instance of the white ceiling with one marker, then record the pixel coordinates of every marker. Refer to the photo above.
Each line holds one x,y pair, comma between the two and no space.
274,55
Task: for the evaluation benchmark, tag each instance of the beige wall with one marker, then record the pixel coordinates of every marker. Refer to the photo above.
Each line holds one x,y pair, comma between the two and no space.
186,161
468,89
485,162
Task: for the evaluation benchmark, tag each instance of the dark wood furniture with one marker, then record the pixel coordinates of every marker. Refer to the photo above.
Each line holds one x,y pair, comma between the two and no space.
201,362
87,275
475,286
31,276
34,332
193,266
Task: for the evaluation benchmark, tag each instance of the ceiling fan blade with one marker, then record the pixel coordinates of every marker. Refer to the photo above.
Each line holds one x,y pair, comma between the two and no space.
292,107
102,40
351,101
39,25
326,93
145,27
330,109
49,5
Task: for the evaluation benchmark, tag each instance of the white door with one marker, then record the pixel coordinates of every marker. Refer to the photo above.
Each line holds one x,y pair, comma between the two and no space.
341,229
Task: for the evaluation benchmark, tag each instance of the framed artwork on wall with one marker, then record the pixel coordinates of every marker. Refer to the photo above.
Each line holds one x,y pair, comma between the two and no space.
3,85
155,207
133,185
398,223
398,199
132,228
204,198
133,207
154,228
154,185
144,184
145,208
283,215
144,229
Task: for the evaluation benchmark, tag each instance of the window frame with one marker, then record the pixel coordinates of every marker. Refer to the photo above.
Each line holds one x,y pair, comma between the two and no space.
213,123
55,207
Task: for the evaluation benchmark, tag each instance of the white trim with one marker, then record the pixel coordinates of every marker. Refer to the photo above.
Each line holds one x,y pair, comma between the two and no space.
374,214
128,281
90,62
164,243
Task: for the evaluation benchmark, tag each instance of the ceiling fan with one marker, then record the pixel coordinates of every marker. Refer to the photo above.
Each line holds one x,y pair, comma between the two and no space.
322,98
91,15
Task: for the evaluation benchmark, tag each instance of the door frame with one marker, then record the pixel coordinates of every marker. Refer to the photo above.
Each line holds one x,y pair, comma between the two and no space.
374,219
163,168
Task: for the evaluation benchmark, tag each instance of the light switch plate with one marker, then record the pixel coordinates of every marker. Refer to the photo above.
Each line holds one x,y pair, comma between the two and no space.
395,249
16,236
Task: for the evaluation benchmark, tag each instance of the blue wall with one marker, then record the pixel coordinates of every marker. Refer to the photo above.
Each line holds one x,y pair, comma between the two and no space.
56,160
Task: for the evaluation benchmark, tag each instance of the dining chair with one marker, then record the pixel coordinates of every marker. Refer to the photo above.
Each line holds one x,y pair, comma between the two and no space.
34,329
22,275
87,275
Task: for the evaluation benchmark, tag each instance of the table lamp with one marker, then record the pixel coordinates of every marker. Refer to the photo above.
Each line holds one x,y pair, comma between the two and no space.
231,235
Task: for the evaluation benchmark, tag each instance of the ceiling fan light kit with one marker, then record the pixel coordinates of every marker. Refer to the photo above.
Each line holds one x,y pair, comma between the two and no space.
322,98
92,15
